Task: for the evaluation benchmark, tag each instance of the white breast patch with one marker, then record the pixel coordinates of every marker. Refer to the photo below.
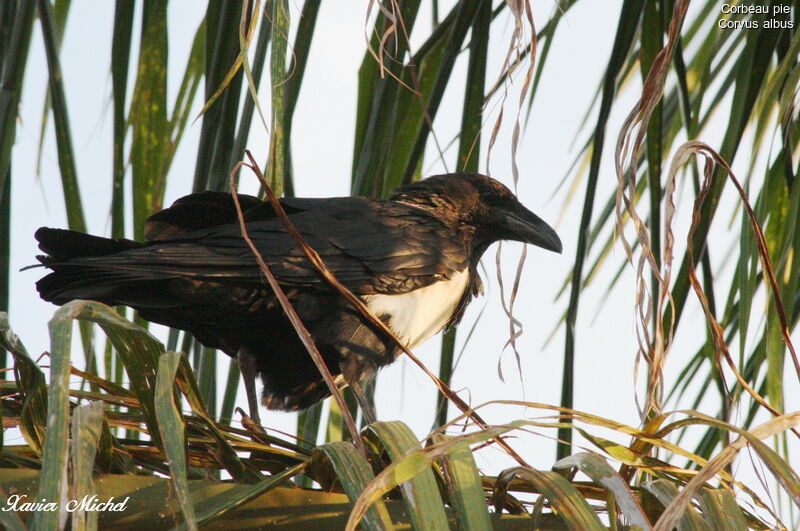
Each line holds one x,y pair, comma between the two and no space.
417,315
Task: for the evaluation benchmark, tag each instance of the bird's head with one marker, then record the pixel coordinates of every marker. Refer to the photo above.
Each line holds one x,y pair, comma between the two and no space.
486,207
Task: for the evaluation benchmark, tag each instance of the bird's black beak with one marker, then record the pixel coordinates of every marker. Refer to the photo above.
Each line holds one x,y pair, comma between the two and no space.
525,226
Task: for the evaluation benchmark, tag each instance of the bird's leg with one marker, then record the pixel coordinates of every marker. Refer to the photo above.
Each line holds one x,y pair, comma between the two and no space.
247,366
367,408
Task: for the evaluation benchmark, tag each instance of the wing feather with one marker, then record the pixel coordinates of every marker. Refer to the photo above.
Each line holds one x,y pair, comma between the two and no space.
371,246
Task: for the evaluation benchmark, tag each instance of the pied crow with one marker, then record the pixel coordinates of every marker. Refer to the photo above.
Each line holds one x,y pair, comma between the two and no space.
412,258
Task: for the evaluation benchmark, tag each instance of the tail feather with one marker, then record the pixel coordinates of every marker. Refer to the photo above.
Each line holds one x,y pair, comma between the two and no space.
61,245
69,283
72,279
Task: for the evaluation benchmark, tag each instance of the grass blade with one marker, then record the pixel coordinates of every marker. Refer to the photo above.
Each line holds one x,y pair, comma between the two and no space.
5,253
565,499
465,489
229,395
217,134
31,381
192,75
17,19
10,520
378,92
246,118
300,50
14,59
626,29
148,117
222,448
354,473
66,157
653,19
171,427
277,147
213,507
56,443
87,421
721,510
120,61
601,472
60,12
465,15
783,473
421,493
138,349
468,159
665,492
750,72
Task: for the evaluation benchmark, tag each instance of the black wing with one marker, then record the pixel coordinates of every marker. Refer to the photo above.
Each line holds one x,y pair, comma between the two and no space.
371,246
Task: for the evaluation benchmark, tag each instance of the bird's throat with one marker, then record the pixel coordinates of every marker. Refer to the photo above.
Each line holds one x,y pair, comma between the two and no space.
417,315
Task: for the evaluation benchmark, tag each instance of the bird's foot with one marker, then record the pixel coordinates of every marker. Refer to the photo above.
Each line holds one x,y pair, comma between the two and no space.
251,424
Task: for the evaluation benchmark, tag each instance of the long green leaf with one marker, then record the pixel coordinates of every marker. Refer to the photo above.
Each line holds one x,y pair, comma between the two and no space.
120,64
14,54
234,465
213,507
378,89
120,60
465,489
60,12
300,51
421,493
218,130
87,422
276,169
5,254
565,499
465,15
148,117
246,118
138,349
353,472
17,20
56,443
665,492
171,426
601,472
626,29
751,69
66,156
468,158
721,510
10,520
32,384
66,153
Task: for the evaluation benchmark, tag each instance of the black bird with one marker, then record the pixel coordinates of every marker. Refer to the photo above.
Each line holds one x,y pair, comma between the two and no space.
412,258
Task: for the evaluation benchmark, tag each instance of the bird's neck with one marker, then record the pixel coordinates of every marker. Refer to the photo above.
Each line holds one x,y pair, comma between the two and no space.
457,208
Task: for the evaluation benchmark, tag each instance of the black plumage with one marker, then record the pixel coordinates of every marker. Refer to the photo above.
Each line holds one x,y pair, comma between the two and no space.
411,257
